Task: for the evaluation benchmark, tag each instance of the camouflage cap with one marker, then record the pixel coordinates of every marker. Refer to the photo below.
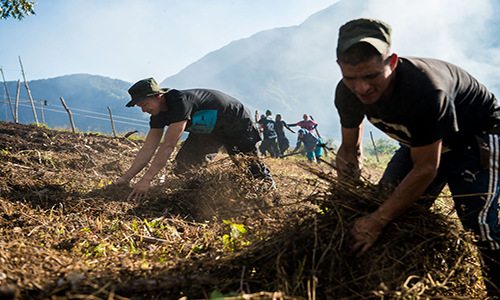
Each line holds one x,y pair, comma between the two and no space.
142,89
372,31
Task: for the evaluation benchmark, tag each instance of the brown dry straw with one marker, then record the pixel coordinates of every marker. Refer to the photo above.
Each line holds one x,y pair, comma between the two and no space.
421,255
65,235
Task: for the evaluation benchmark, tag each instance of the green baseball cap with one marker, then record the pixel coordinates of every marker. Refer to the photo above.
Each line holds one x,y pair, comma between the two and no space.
142,89
372,31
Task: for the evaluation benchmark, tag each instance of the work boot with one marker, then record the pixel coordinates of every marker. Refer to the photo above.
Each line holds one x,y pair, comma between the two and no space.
491,268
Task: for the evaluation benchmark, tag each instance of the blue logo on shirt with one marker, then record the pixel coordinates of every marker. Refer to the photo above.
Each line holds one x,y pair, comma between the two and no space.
203,121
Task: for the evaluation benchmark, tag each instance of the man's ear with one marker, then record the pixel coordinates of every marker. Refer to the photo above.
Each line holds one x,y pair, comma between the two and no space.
393,62
158,96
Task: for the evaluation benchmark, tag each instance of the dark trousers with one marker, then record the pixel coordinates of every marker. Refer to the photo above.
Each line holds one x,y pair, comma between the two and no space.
475,191
269,145
200,148
283,144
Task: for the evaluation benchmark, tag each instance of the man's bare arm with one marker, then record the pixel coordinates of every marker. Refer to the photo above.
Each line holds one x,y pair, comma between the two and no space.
172,136
144,155
426,161
349,159
288,127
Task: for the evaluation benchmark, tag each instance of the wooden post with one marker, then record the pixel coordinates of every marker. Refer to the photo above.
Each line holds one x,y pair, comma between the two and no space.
69,114
112,123
374,146
17,100
41,111
29,92
8,96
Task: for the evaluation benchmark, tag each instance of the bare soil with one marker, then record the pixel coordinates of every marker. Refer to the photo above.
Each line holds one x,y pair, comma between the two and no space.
66,233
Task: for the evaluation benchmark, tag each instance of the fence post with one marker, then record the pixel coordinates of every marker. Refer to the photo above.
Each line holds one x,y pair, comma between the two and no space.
374,146
69,114
29,92
41,110
112,123
8,96
17,101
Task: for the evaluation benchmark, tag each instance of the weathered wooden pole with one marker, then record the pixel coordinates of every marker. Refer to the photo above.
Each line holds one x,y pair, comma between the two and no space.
8,96
17,100
69,114
374,146
29,92
112,123
41,111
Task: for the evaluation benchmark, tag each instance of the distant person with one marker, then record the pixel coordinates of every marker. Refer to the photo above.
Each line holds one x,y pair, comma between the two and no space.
258,120
283,142
212,118
269,135
311,125
448,126
310,142
305,123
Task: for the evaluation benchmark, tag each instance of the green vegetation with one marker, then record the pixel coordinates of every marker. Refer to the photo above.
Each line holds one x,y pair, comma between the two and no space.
379,152
17,9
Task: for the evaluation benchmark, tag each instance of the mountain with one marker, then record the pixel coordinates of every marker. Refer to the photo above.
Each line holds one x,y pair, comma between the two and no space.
289,70
86,96
293,70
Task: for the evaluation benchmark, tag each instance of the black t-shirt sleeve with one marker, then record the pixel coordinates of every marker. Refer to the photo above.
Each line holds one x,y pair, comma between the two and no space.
178,109
350,109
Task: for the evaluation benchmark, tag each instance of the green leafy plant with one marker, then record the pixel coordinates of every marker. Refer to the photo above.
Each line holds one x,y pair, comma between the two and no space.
234,240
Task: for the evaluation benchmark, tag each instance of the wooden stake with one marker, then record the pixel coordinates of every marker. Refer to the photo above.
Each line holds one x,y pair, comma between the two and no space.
29,92
8,96
374,146
112,123
69,114
41,110
17,100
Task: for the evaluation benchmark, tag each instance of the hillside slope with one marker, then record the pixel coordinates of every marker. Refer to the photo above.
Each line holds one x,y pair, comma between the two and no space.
87,96
66,234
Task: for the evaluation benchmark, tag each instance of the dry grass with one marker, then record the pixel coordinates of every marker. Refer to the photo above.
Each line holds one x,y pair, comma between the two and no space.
66,234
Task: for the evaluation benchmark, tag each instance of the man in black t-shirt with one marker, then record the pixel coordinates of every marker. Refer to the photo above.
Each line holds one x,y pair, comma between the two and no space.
212,118
269,141
438,112
283,142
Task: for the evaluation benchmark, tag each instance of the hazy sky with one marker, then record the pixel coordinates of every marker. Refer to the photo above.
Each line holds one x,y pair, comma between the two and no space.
134,39
463,32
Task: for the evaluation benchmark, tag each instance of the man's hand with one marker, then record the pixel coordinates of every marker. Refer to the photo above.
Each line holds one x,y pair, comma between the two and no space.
140,190
365,232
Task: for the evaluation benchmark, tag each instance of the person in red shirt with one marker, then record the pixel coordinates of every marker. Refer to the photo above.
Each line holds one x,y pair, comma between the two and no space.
306,123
